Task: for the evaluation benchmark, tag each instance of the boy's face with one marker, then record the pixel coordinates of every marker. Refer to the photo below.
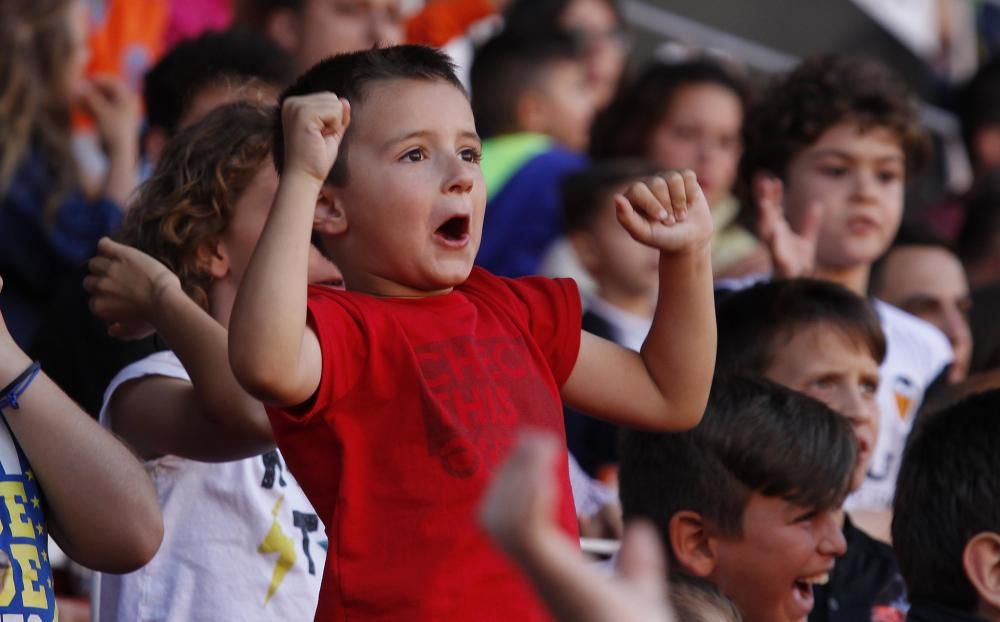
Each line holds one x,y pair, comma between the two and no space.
768,572
701,131
565,105
623,268
857,175
823,362
330,27
930,283
247,223
414,197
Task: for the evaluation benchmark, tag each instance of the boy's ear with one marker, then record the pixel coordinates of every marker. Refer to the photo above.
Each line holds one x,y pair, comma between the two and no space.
281,27
214,258
330,217
691,543
585,247
981,561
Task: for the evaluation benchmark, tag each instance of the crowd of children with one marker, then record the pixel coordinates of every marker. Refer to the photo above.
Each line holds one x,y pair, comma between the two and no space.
362,329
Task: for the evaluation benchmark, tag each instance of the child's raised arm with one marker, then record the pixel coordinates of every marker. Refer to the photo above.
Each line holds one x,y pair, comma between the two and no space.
210,418
274,355
100,504
665,387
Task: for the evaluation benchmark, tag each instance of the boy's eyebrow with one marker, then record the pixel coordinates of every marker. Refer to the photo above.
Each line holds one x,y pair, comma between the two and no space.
466,134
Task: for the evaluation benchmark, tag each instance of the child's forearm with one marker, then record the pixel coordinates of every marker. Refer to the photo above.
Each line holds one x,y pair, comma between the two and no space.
268,322
201,344
679,351
102,508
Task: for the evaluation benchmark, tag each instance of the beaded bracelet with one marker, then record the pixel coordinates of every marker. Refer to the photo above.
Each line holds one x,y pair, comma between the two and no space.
17,387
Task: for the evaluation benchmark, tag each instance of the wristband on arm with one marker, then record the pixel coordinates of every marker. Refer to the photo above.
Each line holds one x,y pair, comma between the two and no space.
10,393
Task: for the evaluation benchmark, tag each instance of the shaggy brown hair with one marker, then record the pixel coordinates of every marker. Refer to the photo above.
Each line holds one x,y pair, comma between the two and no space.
798,107
188,202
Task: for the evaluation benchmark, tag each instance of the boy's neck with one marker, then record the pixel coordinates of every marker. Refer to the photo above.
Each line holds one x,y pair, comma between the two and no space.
642,305
854,278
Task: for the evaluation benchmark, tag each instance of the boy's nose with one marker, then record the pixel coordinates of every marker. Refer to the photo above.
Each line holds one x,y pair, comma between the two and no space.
831,537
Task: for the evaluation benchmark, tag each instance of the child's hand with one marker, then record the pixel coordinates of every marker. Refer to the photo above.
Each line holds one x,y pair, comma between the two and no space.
518,511
125,287
792,254
519,506
314,126
668,213
117,112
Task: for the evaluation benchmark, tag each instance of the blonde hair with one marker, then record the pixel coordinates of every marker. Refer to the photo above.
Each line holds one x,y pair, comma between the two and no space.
35,41
697,600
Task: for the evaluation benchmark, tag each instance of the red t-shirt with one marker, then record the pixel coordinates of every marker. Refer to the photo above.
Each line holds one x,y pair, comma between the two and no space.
419,401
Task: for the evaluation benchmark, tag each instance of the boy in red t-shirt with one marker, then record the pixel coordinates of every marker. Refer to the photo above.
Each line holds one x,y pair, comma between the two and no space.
395,400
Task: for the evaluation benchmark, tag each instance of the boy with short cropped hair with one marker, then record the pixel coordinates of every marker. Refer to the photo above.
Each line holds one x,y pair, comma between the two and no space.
946,524
828,148
395,400
533,106
819,338
748,498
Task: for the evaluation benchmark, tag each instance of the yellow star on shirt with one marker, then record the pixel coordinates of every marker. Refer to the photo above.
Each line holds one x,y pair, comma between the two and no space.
30,475
45,555
50,582
35,502
38,528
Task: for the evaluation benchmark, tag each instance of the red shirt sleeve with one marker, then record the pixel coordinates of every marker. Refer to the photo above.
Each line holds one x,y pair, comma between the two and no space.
554,316
343,340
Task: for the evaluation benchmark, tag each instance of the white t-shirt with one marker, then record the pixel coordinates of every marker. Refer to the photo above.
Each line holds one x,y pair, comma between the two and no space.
916,354
240,542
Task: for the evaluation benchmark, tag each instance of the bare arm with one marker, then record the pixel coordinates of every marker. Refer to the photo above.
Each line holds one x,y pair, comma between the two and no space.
210,418
101,506
274,355
666,385
518,512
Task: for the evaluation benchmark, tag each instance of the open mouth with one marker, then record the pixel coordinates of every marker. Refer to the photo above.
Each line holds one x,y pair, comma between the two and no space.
804,587
454,231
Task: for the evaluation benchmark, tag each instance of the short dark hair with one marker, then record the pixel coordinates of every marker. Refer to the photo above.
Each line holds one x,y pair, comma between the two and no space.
796,109
979,104
947,492
588,191
350,76
978,236
911,233
625,128
508,66
756,436
754,323
212,58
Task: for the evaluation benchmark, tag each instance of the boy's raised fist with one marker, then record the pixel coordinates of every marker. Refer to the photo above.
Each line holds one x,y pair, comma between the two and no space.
667,212
314,127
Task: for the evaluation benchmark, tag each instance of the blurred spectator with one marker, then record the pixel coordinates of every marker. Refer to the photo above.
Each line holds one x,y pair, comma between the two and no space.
204,73
688,115
48,224
979,239
921,274
532,105
599,25
311,30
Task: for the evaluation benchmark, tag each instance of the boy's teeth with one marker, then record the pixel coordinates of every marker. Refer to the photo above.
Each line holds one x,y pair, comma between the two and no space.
822,579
